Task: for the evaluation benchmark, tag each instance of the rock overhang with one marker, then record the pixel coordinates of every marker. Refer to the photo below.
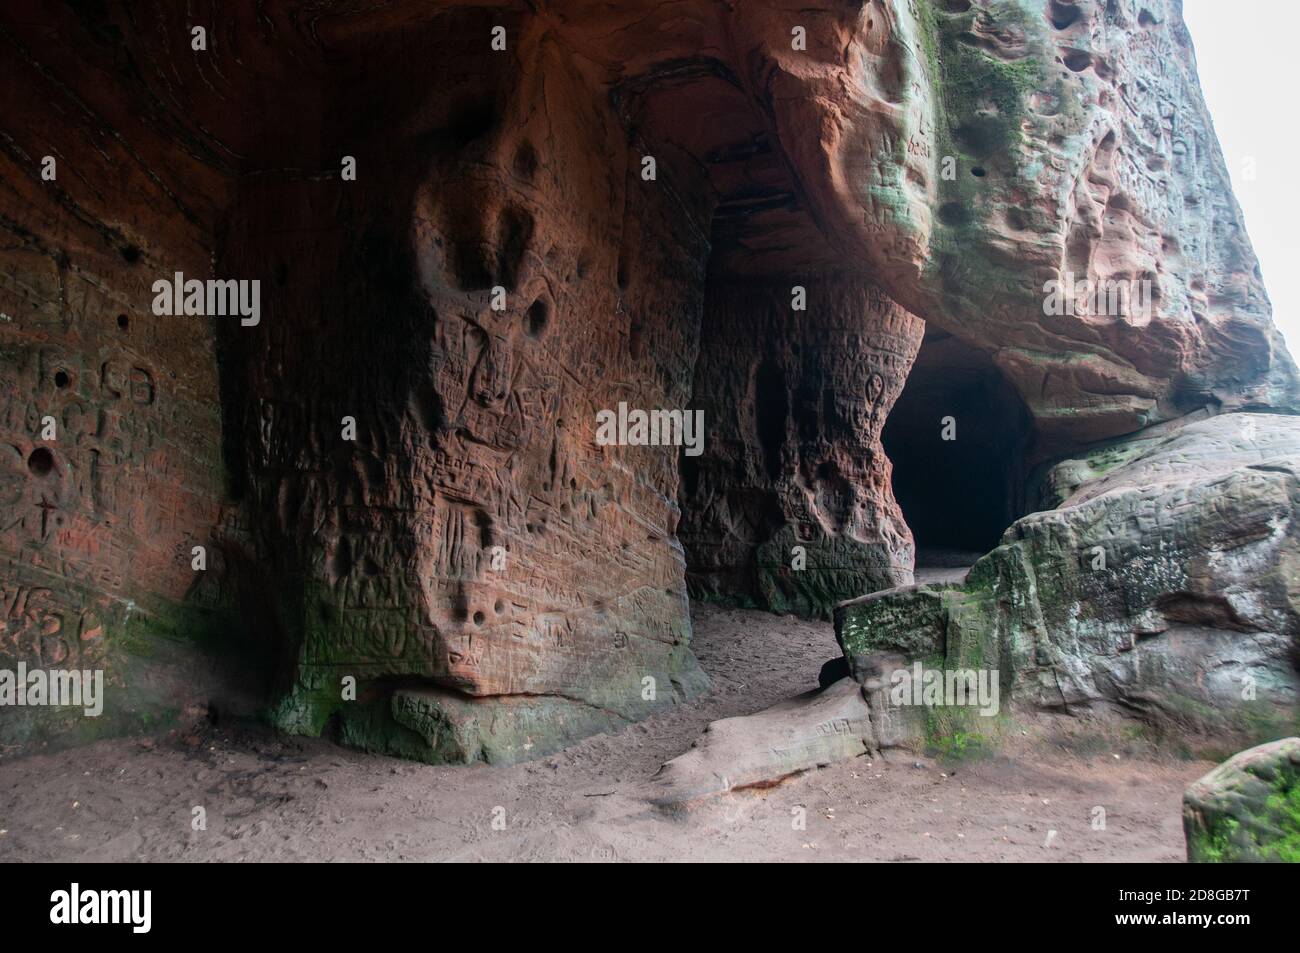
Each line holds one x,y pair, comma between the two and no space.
1079,145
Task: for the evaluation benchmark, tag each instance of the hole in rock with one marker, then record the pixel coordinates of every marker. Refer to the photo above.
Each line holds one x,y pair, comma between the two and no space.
1063,15
123,322
1076,61
40,462
957,437
341,560
61,379
514,234
537,316
486,535
526,161
954,213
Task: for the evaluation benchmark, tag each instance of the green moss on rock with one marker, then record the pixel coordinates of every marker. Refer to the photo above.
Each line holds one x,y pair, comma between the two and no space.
1247,809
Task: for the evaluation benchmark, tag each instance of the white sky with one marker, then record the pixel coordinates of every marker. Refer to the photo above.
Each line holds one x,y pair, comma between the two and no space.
1245,54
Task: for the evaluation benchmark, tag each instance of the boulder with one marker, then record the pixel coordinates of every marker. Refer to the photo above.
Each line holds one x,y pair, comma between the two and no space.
797,735
1247,809
445,727
1166,583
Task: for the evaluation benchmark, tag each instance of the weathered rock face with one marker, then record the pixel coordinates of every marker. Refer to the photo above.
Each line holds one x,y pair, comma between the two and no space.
110,420
395,473
791,506
475,536
1247,810
1165,583
1081,147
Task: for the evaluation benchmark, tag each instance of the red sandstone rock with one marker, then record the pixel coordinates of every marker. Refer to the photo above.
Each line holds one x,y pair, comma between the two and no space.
1080,145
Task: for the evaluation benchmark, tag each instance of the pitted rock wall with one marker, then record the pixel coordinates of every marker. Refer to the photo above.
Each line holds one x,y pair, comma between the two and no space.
1080,145
111,466
485,300
791,506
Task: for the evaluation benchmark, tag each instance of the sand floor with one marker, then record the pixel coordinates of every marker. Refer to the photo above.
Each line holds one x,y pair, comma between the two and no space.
271,798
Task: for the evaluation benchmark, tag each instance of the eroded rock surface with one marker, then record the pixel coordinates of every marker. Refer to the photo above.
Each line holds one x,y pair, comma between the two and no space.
1247,810
1165,583
792,505
1086,150
110,420
513,281
394,473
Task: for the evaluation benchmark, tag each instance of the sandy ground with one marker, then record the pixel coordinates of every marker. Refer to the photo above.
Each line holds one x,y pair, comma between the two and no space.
268,798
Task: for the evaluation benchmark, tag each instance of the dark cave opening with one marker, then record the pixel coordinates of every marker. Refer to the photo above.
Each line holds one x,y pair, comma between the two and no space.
769,479
958,439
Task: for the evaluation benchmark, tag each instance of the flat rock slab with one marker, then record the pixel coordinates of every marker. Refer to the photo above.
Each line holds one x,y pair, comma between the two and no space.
1248,808
504,730
799,734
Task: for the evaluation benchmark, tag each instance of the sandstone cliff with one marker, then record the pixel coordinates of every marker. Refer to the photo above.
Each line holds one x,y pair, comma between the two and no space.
394,476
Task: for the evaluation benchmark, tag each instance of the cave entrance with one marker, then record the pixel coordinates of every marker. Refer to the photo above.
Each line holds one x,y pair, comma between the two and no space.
958,438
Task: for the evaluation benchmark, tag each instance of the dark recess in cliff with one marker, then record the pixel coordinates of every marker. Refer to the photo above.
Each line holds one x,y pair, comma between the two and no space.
960,493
